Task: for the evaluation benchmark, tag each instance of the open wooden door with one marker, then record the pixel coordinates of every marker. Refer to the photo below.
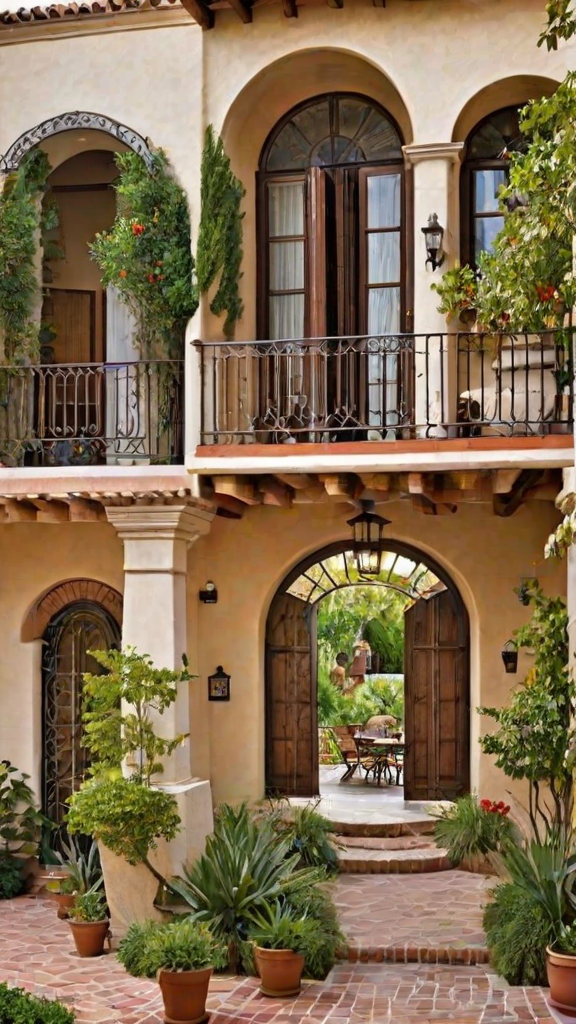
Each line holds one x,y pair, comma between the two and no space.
291,702
436,685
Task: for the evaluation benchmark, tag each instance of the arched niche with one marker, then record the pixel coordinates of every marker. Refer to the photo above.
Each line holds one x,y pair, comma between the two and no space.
506,92
263,102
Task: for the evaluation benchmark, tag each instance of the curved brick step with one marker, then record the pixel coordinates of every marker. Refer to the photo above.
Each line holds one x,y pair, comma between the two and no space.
378,859
465,955
384,828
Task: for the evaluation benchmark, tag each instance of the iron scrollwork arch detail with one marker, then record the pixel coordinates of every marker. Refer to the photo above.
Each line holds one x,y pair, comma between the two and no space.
77,119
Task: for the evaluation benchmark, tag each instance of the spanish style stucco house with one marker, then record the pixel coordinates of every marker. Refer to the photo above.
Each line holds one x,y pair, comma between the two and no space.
349,124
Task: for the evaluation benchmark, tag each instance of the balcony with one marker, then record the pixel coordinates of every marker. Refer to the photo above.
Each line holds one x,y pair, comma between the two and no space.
386,388
92,414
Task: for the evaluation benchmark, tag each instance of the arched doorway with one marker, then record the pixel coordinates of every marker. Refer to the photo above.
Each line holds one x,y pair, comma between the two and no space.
436,672
76,629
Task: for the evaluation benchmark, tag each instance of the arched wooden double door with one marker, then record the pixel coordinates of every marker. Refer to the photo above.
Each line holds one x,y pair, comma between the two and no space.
436,681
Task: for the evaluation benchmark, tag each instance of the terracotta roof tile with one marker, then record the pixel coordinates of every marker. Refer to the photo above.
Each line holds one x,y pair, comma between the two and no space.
92,8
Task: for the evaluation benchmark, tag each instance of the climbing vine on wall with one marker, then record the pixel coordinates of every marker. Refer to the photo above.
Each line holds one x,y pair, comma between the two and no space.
219,254
22,220
147,255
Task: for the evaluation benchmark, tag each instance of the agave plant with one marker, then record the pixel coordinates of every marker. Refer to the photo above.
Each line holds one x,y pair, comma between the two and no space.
85,871
546,871
245,867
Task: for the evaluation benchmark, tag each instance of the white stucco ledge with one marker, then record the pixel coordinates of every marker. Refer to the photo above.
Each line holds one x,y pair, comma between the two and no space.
435,459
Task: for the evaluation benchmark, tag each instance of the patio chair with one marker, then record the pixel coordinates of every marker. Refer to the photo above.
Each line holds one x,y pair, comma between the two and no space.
344,738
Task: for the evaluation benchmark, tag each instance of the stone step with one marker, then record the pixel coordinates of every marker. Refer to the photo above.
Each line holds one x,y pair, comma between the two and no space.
390,857
412,954
384,827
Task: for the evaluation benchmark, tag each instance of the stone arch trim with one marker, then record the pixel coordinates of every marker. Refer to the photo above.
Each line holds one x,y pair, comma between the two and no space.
68,122
54,600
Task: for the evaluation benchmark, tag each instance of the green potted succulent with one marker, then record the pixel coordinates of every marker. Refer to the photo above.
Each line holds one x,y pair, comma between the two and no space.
89,922
181,955
282,940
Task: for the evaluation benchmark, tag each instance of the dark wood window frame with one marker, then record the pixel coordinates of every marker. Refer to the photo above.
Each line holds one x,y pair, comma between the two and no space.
264,178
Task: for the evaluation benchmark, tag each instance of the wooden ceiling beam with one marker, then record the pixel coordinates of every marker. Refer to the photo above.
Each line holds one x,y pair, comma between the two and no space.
507,504
239,487
242,9
229,507
503,480
200,12
290,8
343,485
20,511
298,481
376,481
85,510
51,511
275,493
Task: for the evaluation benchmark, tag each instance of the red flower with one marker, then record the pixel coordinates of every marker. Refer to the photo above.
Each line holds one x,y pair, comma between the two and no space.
500,805
123,273
494,809
485,804
545,292
505,318
151,279
506,809
137,229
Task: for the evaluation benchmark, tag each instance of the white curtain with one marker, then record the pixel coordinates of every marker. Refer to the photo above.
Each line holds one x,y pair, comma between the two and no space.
124,419
383,241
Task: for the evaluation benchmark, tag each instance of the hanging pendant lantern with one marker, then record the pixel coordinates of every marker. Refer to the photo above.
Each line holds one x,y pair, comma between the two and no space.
368,541
510,657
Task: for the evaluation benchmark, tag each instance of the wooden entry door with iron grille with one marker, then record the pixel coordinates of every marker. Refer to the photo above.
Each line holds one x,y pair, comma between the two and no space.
80,627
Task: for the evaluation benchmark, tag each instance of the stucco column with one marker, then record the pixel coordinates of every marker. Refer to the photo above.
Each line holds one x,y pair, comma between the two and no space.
435,172
156,540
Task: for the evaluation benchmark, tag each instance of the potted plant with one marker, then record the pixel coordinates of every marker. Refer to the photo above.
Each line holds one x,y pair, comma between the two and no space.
89,922
182,956
281,941
20,830
561,971
83,873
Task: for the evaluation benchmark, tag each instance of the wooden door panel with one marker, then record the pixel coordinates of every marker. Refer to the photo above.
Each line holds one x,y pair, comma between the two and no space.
291,712
436,696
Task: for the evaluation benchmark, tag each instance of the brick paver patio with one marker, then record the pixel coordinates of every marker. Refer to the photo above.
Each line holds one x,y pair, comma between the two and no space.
427,917
36,952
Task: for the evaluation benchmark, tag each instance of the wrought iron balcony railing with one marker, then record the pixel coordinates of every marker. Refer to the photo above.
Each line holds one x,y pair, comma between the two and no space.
91,413
389,387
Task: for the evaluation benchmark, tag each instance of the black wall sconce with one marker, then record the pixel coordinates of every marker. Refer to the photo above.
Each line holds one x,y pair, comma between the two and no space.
219,685
209,595
510,657
433,237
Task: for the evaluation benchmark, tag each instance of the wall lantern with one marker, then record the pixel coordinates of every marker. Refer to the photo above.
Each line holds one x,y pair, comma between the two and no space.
209,595
219,685
368,533
433,237
510,656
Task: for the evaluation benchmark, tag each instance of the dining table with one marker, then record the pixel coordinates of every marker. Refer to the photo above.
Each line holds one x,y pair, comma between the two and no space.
380,754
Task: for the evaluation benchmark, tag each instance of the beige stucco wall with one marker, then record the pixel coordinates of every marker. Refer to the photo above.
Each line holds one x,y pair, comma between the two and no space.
247,560
34,558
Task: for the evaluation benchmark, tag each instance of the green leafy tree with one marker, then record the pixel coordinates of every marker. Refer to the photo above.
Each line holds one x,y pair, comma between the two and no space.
535,735
147,254
113,733
372,613
561,23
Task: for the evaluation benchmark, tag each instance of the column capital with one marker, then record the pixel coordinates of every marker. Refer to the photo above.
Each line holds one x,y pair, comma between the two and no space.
417,153
170,521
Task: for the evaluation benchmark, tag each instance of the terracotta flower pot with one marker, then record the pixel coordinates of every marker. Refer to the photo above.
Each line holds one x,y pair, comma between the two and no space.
185,994
89,936
280,971
63,902
561,970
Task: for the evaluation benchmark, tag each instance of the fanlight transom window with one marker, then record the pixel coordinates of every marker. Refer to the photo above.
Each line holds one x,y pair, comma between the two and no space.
333,131
485,170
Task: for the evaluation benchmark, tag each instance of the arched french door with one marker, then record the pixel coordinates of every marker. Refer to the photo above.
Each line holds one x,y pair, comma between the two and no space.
436,673
332,266
78,628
